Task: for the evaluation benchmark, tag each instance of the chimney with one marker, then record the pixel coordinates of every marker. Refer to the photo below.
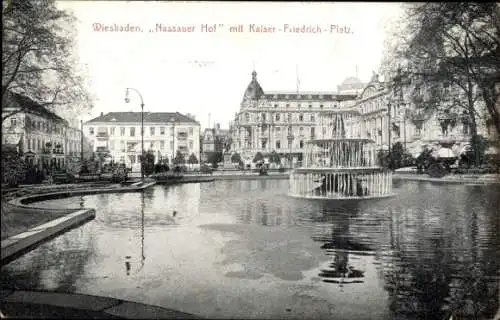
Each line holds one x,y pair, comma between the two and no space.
102,113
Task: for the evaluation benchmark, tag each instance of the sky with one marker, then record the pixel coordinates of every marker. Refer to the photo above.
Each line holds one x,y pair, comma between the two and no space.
206,73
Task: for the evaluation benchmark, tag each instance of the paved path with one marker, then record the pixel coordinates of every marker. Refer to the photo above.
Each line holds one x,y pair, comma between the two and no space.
43,305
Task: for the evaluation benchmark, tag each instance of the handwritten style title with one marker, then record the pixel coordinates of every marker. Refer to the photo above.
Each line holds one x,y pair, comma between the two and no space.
334,28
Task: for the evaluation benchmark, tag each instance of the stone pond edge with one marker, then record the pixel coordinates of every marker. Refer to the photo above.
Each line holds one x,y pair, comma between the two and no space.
19,244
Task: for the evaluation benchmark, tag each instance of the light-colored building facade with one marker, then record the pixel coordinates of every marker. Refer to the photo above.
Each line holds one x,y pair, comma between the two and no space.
119,135
392,110
282,121
42,137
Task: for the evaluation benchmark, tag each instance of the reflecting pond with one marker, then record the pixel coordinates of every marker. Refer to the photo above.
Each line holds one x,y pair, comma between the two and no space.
243,249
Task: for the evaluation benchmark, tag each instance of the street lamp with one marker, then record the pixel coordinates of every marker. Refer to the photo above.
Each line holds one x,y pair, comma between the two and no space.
173,139
81,141
389,111
127,100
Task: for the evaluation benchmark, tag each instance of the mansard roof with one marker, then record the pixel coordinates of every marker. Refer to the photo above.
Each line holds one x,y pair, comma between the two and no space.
29,105
308,96
149,117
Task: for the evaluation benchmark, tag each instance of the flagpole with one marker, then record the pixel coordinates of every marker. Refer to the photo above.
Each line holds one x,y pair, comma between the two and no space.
297,75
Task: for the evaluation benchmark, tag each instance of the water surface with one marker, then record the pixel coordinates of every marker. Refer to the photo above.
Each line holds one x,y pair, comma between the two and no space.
242,249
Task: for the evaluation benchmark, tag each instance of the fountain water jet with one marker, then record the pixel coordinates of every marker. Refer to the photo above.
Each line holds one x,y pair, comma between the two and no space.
341,167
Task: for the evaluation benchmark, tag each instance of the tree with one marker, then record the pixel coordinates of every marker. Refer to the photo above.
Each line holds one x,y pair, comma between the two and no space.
258,157
214,158
454,45
38,60
148,162
179,158
192,159
275,158
236,157
13,167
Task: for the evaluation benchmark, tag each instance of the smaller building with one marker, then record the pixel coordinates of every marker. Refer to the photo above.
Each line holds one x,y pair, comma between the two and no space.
215,140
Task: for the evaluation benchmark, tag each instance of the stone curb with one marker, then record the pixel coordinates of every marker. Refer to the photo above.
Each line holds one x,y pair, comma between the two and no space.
106,306
24,200
447,180
17,245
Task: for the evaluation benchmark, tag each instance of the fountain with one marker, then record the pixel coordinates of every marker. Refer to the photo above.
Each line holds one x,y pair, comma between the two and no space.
341,167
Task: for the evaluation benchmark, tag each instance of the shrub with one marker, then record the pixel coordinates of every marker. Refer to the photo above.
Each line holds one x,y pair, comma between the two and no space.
205,169
13,168
436,170
263,171
120,174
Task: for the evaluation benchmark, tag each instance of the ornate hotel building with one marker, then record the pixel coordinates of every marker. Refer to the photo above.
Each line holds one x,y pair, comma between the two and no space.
283,121
446,130
391,110
119,135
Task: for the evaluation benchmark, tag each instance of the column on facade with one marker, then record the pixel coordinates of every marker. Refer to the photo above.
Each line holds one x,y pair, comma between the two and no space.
253,137
381,127
388,131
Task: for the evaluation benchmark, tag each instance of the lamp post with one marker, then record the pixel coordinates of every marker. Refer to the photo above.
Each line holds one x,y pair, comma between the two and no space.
405,115
127,100
81,140
389,105
173,139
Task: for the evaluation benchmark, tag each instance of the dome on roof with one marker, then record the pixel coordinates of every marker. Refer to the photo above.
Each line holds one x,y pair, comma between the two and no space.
351,80
254,90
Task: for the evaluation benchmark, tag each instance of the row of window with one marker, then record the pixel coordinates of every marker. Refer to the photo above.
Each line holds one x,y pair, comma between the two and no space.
150,145
40,144
277,117
373,106
310,106
40,126
152,131
277,130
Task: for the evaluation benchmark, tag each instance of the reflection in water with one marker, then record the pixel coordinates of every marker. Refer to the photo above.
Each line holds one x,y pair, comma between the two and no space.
434,249
127,267
339,245
143,258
